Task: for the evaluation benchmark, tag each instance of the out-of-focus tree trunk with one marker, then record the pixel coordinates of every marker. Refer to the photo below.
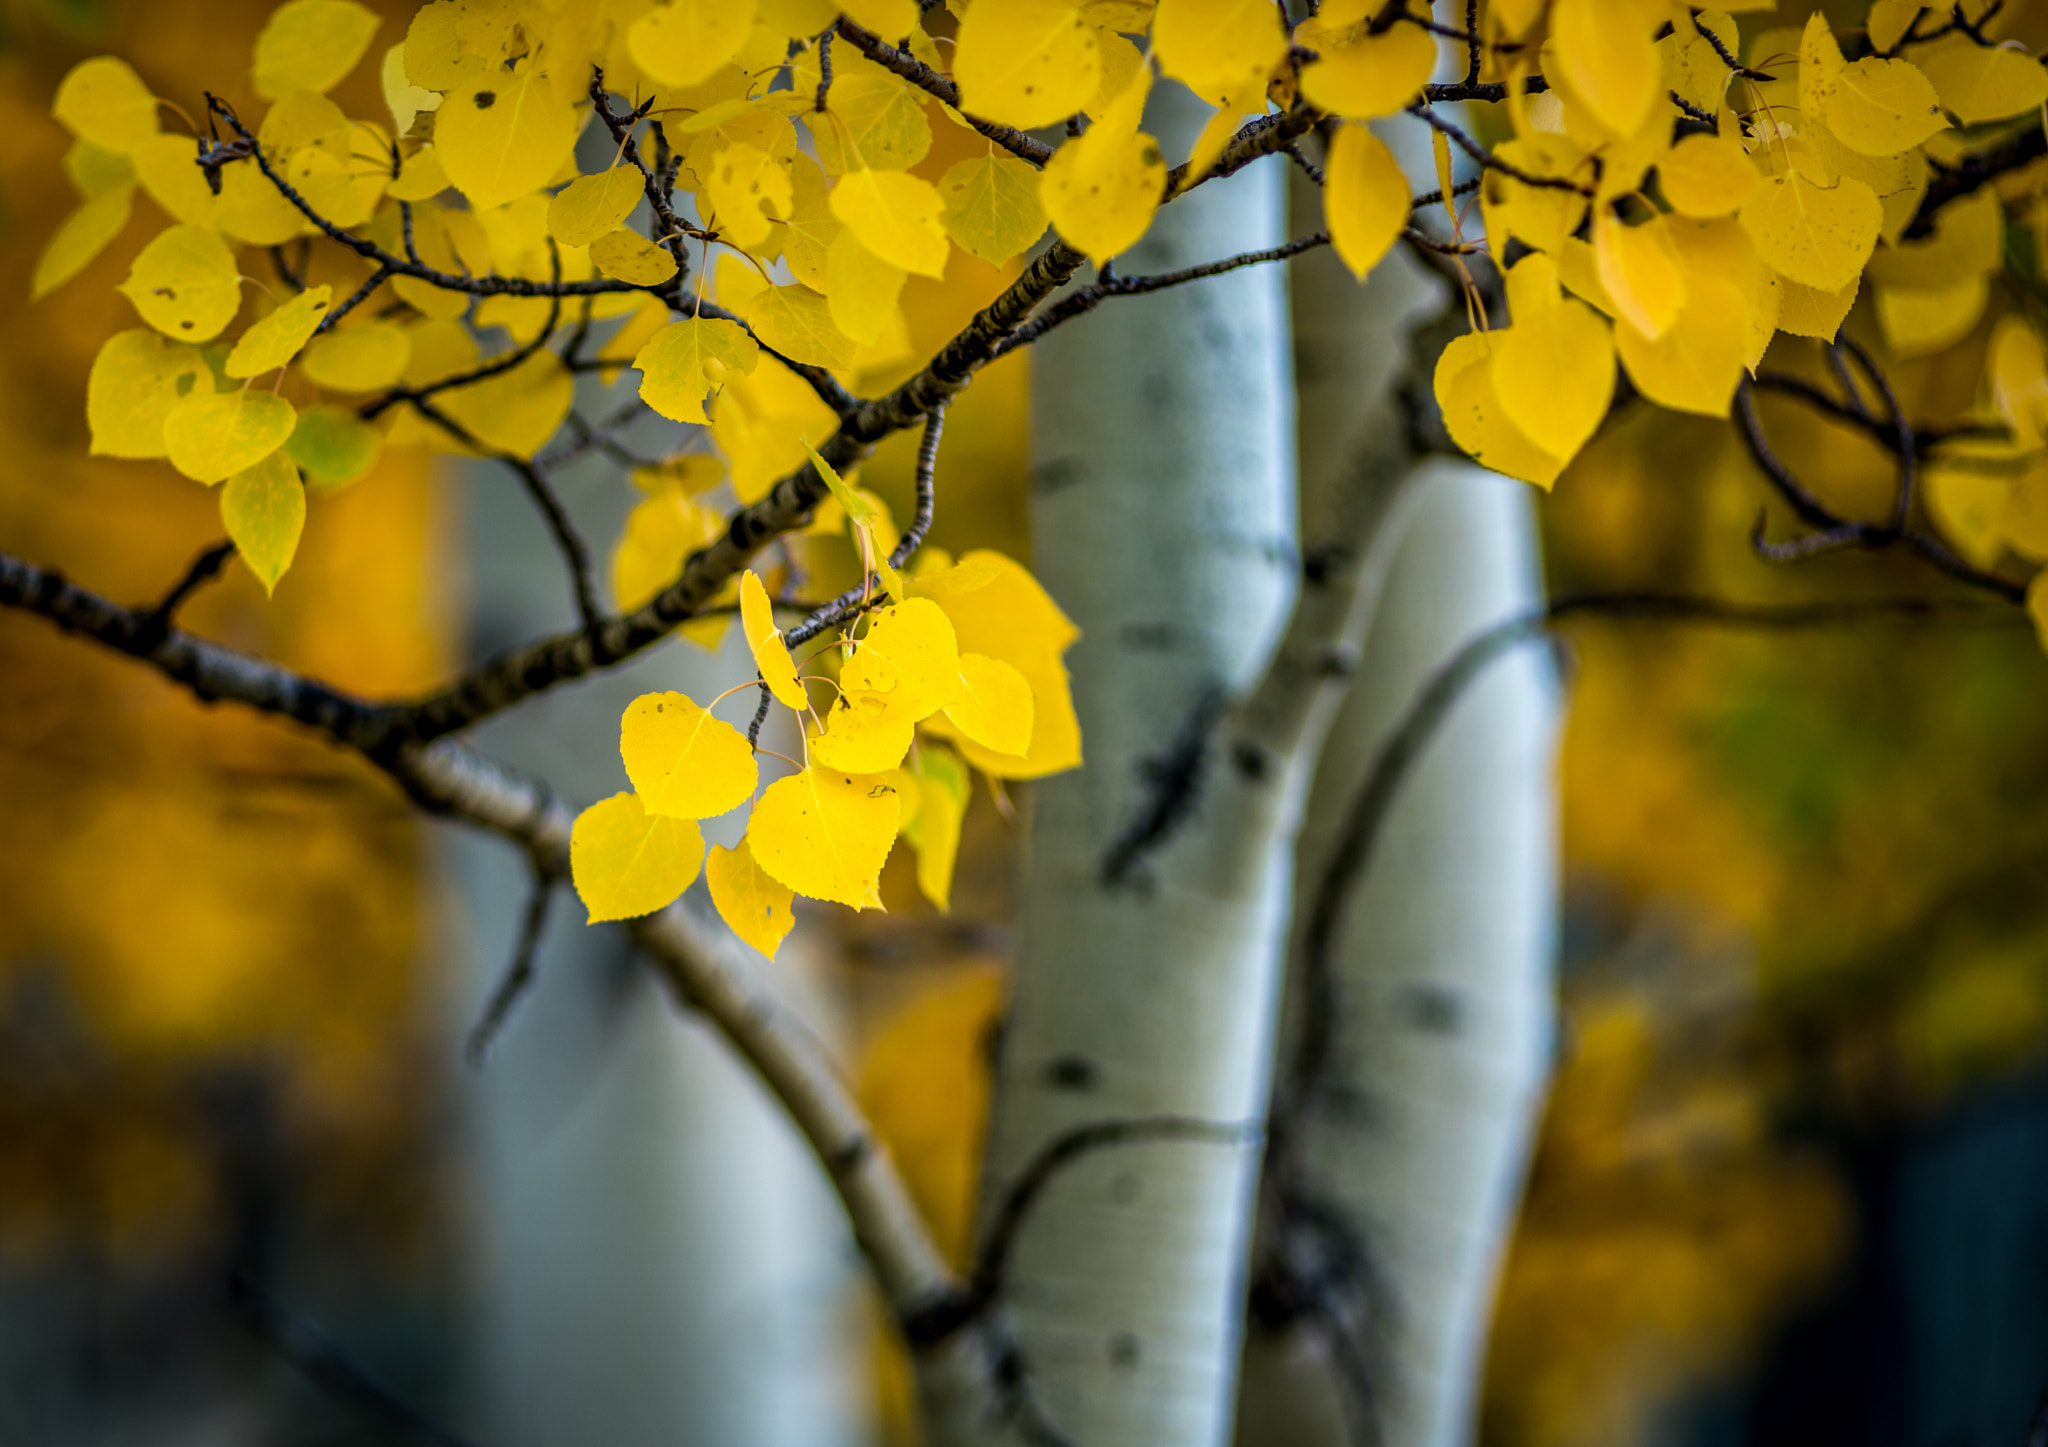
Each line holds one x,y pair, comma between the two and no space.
656,1257
1393,1182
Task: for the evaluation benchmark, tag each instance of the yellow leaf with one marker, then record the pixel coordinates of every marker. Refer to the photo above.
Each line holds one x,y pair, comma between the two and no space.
1370,75
752,904
1881,107
264,510
137,378
1101,188
164,165
1216,47
991,206
808,234
364,357
1821,238
311,45
764,641
1639,268
896,216
862,289
184,284
1970,505
1807,311
797,322
515,411
1365,198
1026,63
1000,611
2026,514
1692,68
682,761
1607,53
862,734
745,187
994,708
1553,370
934,831
862,508
212,436
2037,605
659,537
1215,136
275,340
1707,176
406,101
687,41
590,206
890,19
629,256
688,359
1982,84
1695,364
332,446
81,237
1890,20
875,118
1920,321
825,833
909,656
627,862
1968,239
2018,367
1475,418
758,423
104,101
501,135
647,318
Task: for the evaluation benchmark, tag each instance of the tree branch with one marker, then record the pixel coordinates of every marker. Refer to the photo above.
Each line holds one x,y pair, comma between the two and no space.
910,68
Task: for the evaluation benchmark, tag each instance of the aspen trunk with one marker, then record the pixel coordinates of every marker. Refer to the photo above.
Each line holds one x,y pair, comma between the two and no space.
656,1257
1150,949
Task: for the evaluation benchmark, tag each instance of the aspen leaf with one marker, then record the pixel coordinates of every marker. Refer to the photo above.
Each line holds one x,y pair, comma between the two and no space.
682,761
405,100
861,508
2037,605
2017,364
1920,321
808,234
759,422
421,179
95,169
81,237
1475,417
1707,176
1371,75
1821,238
2025,524
1101,188
687,41
797,322
1696,362
1639,269
1977,83
104,101
647,318
1970,507
676,365
1365,198
1890,20
909,654
1216,47
1553,371
764,641
137,378
862,734
991,206
184,284
994,706
896,216
862,289
629,256
515,411
590,206
890,19
1607,53
934,831
627,862
311,45
1026,63
263,507
275,340
875,118
748,190
1881,107
1968,240
753,905
659,537
825,833
502,135
214,436
332,446
364,357
1214,138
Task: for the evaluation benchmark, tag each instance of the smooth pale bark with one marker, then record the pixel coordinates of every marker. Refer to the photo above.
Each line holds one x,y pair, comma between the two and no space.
1163,523
656,1257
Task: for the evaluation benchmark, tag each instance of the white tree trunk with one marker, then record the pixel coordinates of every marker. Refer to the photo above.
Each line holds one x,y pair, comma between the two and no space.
656,1258
1164,524
1410,1151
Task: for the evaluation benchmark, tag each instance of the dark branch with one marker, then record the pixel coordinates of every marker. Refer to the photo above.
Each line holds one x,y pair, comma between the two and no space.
518,976
203,568
910,68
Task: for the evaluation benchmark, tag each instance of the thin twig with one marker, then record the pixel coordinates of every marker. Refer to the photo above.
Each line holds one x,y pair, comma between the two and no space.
206,566
518,976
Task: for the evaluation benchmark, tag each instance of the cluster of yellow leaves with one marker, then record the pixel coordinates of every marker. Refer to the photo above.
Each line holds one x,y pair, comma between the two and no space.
1701,240
961,666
